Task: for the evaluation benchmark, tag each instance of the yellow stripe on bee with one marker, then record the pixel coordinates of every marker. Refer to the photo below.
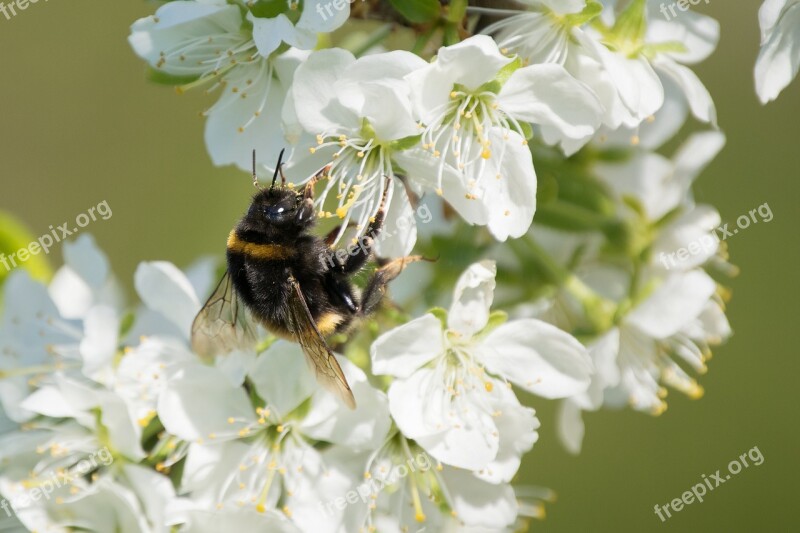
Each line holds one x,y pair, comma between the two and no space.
327,323
274,252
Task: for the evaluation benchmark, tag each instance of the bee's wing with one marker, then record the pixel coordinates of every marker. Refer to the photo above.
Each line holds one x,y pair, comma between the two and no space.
223,324
318,355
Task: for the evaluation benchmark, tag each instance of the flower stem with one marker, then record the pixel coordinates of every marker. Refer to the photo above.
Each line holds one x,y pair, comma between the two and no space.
599,311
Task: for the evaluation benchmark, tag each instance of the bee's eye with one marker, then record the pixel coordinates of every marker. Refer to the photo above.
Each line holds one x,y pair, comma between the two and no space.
278,212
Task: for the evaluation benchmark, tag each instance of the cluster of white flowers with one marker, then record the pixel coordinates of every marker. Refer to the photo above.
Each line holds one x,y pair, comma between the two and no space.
584,93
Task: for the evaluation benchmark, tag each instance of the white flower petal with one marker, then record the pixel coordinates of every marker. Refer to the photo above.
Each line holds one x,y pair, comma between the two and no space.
312,87
99,344
406,348
178,23
570,426
537,357
509,200
164,288
422,168
680,299
472,298
323,16
548,95
455,432
199,401
363,428
517,426
247,119
481,504
399,233
282,378
696,93
268,33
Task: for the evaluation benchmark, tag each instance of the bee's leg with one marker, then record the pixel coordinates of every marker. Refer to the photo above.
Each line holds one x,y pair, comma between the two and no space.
376,286
308,193
359,252
341,294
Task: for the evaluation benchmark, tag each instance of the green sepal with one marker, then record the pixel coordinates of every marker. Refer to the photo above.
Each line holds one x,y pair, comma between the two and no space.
592,10
527,130
126,324
631,24
441,314
496,319
502,77
405,143
671,47
272,8
163,78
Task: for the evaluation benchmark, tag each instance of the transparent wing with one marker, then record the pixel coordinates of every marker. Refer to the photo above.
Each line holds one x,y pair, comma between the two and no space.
319,356
223,324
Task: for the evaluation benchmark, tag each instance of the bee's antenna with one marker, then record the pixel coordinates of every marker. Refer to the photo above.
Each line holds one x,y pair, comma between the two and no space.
278,170
255,178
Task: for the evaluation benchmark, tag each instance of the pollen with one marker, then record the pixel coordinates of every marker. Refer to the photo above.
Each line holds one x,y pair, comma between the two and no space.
260,508
486,154
488,386
231,420
635,140
696,392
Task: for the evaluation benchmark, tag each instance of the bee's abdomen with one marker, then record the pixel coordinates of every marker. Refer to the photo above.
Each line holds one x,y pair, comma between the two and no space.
258,251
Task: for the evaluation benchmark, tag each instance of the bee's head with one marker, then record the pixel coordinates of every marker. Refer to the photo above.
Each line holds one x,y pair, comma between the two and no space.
280,209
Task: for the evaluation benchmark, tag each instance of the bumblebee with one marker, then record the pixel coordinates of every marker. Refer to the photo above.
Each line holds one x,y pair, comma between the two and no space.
291,281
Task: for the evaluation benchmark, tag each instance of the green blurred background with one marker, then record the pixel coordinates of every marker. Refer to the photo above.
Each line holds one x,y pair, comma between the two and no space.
79,125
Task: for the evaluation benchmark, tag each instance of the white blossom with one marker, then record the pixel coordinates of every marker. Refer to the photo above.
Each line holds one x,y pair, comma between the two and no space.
779,58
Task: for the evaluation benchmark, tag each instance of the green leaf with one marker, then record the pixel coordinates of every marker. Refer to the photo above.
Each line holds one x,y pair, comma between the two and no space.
14,236
418,11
